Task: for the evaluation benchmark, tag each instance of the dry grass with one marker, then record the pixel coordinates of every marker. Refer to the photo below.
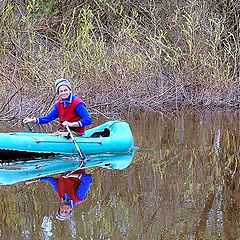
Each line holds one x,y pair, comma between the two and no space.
120,56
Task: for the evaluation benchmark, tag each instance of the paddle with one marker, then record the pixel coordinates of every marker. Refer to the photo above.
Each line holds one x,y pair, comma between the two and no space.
80,152
30,127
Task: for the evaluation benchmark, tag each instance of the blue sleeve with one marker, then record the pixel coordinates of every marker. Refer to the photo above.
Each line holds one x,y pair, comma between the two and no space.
84,187
51,180
52,115
82,111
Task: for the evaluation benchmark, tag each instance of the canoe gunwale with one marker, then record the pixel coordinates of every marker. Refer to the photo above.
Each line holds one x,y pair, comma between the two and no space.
120,140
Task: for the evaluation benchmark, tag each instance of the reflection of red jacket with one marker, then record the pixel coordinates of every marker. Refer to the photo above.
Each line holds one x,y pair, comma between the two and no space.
69,114
69,186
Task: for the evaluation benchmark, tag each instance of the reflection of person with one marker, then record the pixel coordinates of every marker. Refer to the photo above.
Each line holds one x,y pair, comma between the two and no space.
70,110
71,189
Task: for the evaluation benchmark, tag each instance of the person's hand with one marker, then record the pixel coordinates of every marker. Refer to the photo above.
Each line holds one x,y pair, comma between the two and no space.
31,181
69,175
66,123
28,120
66,176
72,175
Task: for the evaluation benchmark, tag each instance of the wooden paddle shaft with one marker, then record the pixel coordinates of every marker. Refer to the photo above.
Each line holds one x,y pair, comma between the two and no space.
80,153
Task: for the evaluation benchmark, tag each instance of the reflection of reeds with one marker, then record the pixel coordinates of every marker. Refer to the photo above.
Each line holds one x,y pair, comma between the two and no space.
192,167
120,56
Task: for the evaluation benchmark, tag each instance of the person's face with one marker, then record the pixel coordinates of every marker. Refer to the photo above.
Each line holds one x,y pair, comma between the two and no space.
64,209
64,92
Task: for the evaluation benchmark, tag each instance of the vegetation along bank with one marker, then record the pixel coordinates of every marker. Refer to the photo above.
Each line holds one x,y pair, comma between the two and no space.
121,56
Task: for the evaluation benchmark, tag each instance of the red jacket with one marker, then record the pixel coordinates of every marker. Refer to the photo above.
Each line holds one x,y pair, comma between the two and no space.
69,114
69,186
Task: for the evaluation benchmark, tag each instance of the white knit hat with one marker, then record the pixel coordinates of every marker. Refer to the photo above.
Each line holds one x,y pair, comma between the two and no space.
63,218
62,82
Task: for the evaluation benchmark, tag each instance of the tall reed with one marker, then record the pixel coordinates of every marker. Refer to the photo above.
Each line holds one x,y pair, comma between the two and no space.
121,57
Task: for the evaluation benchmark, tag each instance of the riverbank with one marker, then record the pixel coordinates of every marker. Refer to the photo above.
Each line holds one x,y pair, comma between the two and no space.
121,57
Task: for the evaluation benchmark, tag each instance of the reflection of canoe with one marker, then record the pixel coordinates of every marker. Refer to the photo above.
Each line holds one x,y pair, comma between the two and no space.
117,138
14,172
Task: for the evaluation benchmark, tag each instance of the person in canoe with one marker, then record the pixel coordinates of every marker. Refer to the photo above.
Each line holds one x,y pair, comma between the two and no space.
69,109
72,190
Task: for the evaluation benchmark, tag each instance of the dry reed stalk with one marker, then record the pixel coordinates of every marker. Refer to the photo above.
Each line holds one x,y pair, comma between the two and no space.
120,57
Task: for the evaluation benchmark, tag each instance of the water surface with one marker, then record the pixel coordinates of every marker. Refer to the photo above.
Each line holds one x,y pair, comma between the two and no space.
183,183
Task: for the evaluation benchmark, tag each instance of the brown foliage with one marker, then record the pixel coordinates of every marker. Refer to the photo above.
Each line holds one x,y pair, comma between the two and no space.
121,56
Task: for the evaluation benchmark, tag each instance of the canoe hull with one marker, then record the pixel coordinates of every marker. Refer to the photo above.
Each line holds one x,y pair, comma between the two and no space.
22,145
20,171
13,154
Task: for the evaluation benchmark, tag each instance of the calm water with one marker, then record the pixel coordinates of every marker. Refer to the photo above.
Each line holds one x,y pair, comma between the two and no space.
183,183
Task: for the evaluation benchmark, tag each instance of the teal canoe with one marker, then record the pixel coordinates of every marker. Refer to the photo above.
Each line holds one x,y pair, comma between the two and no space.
111,137
20,171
